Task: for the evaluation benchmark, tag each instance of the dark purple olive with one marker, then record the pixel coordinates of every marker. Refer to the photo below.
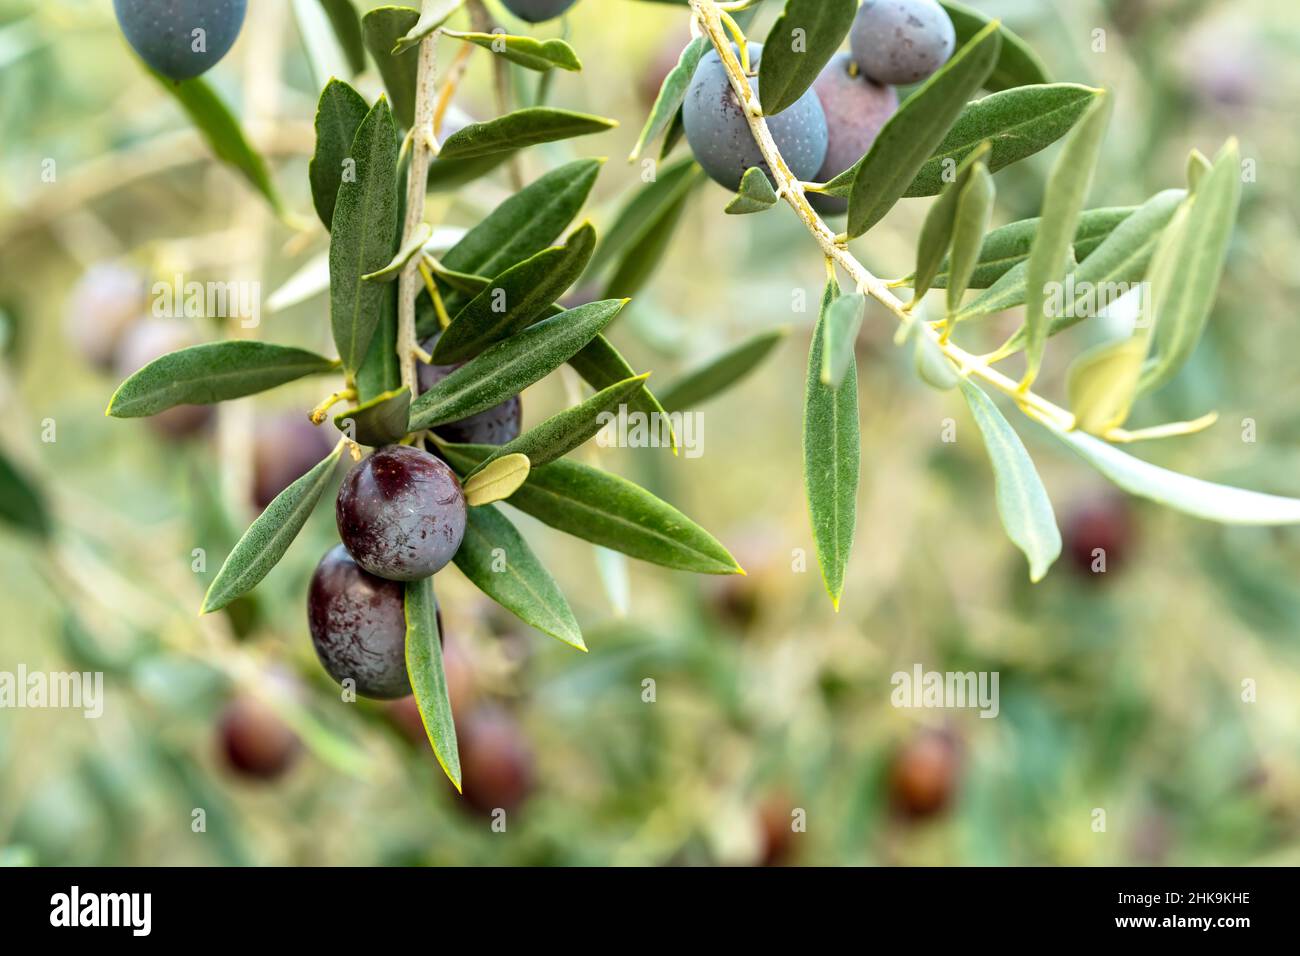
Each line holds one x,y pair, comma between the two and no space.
923,775
285,448
401,513
358,626
1098,536
856,108
493,426
496,761
254,741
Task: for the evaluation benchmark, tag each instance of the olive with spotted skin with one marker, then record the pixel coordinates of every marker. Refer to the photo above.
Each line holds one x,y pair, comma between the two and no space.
492,426
719,134
535,11
856,108
181,38
401,513
901,41
358,626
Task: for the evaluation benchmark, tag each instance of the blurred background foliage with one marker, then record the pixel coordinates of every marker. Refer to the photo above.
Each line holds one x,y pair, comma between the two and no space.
1120,691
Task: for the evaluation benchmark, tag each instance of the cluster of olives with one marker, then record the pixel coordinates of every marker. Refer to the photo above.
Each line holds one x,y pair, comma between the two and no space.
831,127
181,39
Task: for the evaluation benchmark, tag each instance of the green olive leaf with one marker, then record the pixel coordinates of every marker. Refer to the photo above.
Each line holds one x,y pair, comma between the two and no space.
801,42
697,387
1023,505
346,23
912,134
380,372
516,298
433,14
425,669
840,337
970,223
363,238
528,52
214,372
1183,295
269,537
609,511
510,366
525,127
522,586
936,232
1067,189
1017,65
668,104
601,365
380,421
381,28
754,195
339,114
497,480
831,455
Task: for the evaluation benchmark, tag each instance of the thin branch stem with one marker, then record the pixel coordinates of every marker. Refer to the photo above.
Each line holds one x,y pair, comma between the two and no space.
424,146
709,16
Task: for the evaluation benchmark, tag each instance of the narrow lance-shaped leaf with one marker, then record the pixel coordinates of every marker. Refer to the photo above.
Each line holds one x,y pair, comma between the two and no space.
516,298
610,511
215,372
526,127
508,367
1193,496
1023,505
339,114
801,42
380,373
1182,301
528,52
1018,64
840,337
1067,188
269,537
646,251
412,247
831,457
364,235
21,505
425,669
640,214
754,195
601,365
219,127
936,232
1198,164
1102,384
523,586
697,387
381,28
325,56
913,133
565,431
974,210
496,481
672,94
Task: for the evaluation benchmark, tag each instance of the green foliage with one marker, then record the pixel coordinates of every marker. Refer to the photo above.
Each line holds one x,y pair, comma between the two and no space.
667,107
21,505
346,23
1017,64
216,372
378,421
526,127
830,455
269,537
428,680
339,114
754,195
382,28
791,62
528,52
724,372
364,235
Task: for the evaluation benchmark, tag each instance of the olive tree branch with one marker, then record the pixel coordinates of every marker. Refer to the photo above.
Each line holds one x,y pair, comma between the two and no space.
709,15
424,146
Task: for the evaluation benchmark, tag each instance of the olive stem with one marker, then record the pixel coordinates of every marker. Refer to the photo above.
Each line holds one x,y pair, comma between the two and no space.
424,145
833,246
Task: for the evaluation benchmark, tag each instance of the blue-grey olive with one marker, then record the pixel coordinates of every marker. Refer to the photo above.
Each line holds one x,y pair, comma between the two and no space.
901,41
535,11
719,133
181,38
